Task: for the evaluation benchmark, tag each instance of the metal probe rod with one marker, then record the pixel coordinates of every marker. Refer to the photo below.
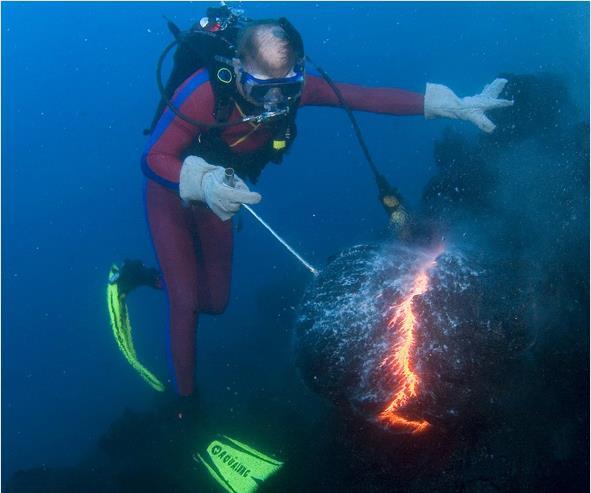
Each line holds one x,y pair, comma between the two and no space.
293,252
230,181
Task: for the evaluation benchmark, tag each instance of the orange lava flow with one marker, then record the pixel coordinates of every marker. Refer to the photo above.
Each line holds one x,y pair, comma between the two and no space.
399,363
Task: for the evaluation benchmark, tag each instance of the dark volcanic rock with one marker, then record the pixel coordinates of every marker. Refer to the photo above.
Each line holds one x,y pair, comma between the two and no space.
344,337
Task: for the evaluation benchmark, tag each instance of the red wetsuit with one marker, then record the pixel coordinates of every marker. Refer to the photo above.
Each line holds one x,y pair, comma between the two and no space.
193,246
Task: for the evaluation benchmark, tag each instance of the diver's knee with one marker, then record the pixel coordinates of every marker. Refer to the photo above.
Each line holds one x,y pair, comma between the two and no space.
217,305
217,309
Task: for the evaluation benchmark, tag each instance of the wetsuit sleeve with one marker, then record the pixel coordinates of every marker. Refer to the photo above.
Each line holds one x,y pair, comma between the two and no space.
161,160
389,101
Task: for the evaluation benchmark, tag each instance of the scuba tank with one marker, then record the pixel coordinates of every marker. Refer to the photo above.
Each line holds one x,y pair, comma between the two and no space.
208,44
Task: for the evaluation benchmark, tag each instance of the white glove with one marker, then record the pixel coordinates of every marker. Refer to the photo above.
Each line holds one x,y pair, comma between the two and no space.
205,182
441,101
190,184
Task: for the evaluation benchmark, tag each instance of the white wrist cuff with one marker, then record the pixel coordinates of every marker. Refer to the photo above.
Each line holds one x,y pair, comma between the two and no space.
190,183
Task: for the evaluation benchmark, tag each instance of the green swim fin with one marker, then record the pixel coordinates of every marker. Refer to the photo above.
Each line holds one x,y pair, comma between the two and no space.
122,330
237,467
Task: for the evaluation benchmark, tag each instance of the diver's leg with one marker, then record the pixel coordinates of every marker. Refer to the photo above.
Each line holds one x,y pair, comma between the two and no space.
171,231
214,260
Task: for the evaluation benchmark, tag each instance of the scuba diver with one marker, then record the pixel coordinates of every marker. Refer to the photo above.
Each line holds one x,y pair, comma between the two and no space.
237,109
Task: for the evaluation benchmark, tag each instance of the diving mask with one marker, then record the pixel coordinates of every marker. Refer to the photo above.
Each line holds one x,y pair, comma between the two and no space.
273,91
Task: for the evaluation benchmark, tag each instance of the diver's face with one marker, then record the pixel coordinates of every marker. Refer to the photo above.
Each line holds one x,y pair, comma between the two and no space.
250,84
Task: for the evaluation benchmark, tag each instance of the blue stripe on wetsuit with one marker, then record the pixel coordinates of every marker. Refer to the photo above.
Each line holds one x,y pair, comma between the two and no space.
167,118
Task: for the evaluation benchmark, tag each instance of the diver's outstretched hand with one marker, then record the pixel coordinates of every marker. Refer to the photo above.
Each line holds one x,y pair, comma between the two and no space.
441,101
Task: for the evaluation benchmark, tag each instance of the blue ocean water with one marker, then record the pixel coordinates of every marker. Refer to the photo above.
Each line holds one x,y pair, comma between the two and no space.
79,86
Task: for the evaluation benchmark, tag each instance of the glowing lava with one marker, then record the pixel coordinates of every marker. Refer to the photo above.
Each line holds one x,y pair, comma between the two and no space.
399,363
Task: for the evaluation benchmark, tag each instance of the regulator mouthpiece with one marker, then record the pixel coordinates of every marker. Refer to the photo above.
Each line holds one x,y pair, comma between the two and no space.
269,114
